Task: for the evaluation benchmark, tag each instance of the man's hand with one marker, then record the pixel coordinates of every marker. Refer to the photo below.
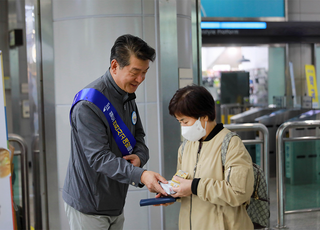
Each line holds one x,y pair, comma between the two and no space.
151,180
184,188
133,159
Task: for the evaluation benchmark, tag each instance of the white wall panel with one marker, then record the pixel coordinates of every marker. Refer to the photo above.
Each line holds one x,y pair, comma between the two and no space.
183,7
149,33
63,141
184,42
294,17
293,6
148,7
136,217
304,10
142,113
306,56
153,136
310,6
82,51
151,83
140,92
63,152
310,17
63,9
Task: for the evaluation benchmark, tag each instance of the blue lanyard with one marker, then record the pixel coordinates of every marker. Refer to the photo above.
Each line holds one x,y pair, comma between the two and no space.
122,135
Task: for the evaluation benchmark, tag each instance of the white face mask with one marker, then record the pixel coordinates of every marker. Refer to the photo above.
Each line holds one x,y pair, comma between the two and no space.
194,132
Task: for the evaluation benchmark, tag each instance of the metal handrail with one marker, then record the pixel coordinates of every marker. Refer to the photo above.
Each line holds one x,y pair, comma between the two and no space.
280,163
265,153
264,130
23,153
230,105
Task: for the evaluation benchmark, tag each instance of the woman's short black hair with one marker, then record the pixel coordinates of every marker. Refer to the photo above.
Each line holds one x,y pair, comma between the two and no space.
193,101
127,45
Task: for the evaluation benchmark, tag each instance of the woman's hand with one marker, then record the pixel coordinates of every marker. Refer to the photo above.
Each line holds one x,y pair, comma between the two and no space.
166,204
184,188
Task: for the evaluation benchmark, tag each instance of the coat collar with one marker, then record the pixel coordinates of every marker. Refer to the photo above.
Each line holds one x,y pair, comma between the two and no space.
120,94
214,132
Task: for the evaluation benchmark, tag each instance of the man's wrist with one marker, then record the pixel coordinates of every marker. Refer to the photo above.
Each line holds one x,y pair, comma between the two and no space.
141,184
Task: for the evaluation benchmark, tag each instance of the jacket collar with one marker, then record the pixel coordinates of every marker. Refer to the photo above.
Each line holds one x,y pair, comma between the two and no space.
120,94
214,132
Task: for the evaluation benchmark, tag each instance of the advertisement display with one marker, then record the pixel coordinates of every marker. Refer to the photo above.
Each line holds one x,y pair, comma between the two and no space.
312,85
6,207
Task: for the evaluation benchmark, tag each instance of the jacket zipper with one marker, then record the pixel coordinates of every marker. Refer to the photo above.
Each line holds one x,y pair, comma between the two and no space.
194,174
228,177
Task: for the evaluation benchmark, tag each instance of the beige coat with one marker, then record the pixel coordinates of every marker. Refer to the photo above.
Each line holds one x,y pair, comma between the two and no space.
218,205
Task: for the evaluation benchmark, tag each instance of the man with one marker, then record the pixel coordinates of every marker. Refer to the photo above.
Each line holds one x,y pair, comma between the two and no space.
98,174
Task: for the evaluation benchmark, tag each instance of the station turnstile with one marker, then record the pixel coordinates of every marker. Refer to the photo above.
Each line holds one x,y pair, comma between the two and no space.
249,116
295,198
273,121
299,154
272,118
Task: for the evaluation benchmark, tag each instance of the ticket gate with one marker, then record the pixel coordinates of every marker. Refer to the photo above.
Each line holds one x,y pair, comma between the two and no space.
301,193
303,154
273,121
249,116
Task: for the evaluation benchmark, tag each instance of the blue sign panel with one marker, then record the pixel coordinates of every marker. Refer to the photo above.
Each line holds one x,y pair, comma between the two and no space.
243,8
233,25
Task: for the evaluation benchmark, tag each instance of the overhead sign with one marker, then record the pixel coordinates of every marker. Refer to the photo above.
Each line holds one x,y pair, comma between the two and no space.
312,85
233,25
6,207
222,32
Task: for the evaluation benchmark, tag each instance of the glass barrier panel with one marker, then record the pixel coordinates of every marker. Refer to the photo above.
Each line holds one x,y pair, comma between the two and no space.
302,174
16,180
17,191
255,152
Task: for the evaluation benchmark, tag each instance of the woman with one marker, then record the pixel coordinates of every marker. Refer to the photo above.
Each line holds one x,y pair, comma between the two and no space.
212,197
